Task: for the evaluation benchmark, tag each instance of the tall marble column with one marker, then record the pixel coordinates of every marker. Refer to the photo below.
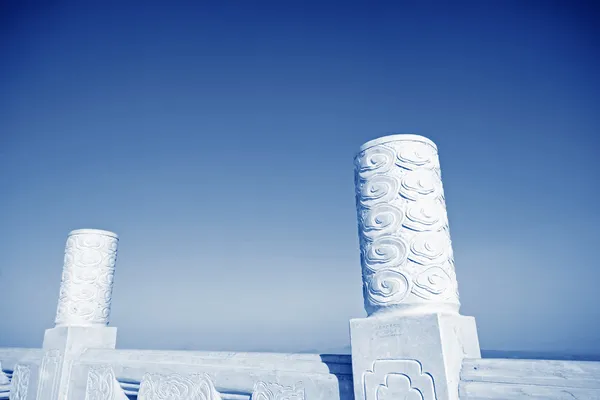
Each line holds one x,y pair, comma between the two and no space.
83,311
406,252
413,341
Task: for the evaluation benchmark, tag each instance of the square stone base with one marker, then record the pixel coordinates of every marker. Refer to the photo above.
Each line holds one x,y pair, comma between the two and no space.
62,346
74,338
411,357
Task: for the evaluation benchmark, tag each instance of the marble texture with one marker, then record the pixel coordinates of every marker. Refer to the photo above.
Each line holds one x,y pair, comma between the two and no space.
63,347
273,391
504,379
235,376
418,357
87,278
412,343
406,251
103,385
177,387
20,382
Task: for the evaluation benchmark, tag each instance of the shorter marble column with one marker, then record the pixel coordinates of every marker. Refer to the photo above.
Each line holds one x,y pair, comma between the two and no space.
83,310
414,340
87,278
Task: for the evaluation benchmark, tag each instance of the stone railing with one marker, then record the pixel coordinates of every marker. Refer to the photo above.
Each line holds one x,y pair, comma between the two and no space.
412,345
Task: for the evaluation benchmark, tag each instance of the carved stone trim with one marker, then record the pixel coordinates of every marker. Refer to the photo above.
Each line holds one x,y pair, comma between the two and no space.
274,391
20,382
87,278
103,385
49,375
177,387
406,251
398,379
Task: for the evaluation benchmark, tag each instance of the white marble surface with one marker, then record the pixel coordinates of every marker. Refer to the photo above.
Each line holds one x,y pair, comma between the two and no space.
503,379
62,348
411,355
406,251
266,376
177,387
20,382
87,278
413,342
103,385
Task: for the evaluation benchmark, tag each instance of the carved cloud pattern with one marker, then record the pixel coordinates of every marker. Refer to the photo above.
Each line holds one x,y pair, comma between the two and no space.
20,382
87,280
398,380
103,385
274,391
406,251
177,387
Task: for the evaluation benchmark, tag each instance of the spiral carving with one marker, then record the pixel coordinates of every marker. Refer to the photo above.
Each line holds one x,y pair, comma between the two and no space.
418,155
406,251
420,183
274,391
375,161
432,283
429,247
384,252
381,220
177,387
379,189
387,286
100,383
87,278
426,215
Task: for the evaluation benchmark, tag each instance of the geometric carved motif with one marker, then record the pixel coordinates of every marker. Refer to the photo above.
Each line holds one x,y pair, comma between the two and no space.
20,382
273,391
406,251
49,375
398,380
103,385
177,387
87,278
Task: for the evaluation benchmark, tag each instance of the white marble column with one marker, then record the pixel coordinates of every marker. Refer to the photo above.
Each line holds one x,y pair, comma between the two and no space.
406,252
413,341
87,278
82,314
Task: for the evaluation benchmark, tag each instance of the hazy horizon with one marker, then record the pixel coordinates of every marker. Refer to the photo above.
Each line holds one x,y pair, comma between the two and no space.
217,140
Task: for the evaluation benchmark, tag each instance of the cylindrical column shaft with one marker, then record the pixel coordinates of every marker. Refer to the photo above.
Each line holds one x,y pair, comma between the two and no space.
87,278
406,252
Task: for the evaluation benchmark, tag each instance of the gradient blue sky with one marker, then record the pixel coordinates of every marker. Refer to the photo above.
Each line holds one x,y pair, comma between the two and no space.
217,140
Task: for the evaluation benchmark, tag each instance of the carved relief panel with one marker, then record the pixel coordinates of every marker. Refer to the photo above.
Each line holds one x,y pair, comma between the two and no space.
177,387
20,382
398,379
273,391
103,385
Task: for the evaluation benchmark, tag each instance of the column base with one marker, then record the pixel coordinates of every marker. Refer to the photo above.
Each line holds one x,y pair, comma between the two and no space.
76,338
62,346
414,355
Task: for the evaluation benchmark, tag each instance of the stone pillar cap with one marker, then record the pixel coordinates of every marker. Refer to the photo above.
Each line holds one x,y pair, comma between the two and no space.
396,137
93,231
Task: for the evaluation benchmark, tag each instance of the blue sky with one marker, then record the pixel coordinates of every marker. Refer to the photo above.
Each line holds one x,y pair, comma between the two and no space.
217,140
